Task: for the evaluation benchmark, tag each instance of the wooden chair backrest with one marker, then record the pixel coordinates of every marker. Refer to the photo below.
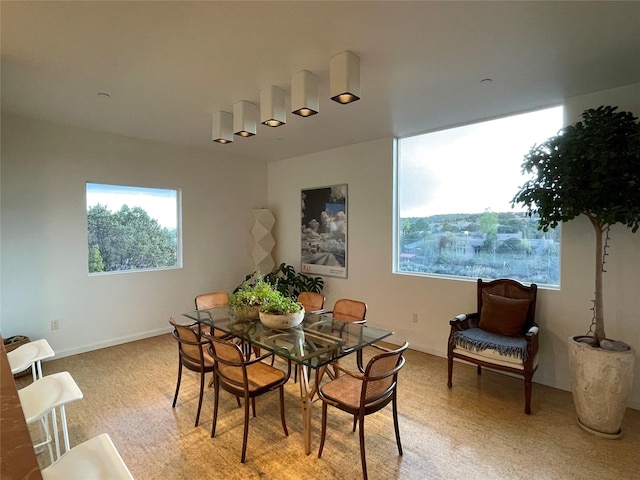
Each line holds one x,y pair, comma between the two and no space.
311,301
350,310
210,300
189,342
505,287
381,375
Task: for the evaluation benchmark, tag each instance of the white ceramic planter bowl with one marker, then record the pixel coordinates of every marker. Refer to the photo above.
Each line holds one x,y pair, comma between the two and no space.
282,321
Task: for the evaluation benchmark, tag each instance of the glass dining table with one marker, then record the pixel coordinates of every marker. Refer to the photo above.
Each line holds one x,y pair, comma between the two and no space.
316,343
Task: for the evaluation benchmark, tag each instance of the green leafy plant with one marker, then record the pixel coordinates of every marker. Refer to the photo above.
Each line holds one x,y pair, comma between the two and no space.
281,305
287,281
253,292
591,168
258,292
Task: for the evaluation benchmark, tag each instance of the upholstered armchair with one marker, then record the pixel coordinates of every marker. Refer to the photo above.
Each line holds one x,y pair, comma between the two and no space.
501,334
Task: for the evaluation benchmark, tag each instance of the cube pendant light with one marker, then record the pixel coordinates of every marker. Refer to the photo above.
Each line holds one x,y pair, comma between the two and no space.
272,112
222,127
304,94
245,116
345,77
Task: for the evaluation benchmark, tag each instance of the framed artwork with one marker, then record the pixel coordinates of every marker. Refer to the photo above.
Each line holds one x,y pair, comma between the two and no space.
324,231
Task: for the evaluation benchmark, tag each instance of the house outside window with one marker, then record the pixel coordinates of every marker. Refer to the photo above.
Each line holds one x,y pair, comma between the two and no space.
453,215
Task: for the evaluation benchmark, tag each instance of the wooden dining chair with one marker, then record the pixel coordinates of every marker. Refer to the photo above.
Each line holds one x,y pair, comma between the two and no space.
211,300
248,379
361,394
193,354
350,311
205,301
312,302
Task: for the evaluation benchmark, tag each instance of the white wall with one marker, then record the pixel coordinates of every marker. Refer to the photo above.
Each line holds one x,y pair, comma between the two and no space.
367,168
44,230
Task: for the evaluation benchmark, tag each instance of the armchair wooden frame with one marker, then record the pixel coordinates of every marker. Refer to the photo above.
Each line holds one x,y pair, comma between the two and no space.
510,289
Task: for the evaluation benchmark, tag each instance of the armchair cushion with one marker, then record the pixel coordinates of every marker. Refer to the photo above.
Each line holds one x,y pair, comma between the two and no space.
502,315
478,340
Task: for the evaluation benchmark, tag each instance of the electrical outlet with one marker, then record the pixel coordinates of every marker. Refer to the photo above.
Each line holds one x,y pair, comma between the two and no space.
55,324
414,318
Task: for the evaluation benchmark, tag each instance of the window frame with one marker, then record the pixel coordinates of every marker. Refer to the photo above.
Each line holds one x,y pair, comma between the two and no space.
178,226
397,218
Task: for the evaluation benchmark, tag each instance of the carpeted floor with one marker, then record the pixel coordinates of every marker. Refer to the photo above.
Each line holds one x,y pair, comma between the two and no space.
476,430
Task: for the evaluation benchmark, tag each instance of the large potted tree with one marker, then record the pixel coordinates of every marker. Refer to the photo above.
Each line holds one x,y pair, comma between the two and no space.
591,168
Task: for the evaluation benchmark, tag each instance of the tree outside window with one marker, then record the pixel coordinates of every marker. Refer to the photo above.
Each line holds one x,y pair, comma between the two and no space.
131,228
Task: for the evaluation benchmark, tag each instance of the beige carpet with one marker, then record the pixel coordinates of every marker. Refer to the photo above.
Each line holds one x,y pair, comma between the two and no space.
477,430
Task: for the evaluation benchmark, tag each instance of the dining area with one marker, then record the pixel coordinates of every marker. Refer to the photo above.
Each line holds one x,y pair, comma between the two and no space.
236,348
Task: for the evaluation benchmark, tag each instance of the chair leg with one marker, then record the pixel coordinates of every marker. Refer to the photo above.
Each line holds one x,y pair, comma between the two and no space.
359,360
48,438
527,395
396,425
216,395
362,453
175,397
245,435
284,421
479,370
324,428
253,406
65,428
200,399
450,372
56,438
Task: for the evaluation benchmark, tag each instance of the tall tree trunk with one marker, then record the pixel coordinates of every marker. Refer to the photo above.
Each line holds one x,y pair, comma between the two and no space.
598,308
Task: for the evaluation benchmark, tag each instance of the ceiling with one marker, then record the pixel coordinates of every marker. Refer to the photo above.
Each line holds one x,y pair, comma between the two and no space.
168,65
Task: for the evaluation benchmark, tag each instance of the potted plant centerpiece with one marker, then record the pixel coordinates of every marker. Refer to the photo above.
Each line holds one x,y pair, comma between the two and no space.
591,168
281,312
259,297
250,295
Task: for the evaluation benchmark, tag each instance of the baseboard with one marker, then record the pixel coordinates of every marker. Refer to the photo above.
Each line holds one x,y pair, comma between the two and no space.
111,342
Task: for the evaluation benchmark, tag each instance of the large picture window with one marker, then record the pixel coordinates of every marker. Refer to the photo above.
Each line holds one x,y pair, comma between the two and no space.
453,210
132,228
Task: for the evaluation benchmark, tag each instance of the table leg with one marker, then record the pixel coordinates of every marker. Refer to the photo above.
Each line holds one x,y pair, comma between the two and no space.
307,392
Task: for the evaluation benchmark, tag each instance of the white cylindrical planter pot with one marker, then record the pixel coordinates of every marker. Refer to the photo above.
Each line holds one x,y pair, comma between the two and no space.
601,382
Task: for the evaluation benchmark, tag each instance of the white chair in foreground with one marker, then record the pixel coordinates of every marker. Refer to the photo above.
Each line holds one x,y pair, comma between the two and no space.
95,459
30,355
43,397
